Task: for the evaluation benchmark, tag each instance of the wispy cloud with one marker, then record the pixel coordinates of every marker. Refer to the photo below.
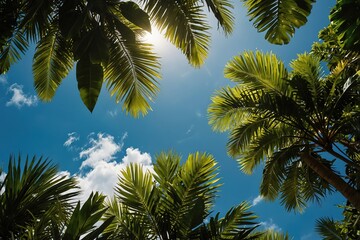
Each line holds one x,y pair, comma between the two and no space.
3,80
19,98
72,137
307,236
198,114
113,113
190,129
257,200
270,225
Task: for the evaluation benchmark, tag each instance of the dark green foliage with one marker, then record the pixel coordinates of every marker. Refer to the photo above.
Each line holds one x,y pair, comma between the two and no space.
109,35
275,116
173,201
278,19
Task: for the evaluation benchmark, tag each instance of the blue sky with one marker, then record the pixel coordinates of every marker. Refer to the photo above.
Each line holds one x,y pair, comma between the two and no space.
94,146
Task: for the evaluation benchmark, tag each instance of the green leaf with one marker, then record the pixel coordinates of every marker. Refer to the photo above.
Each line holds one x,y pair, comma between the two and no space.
327,228
52,63
185,25
135,81
278,18
132,12
222,11
12,50
90,79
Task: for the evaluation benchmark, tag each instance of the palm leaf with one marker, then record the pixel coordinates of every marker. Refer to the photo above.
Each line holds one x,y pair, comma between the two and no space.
52,63
258,70
90,79
30,191
327,228
135,82
262,144
195,189
126,224
184,25
136,189
274,171
37,17
278,18
238,223
228,110
291,189
273,235
222,12
166,168
84,218
12,50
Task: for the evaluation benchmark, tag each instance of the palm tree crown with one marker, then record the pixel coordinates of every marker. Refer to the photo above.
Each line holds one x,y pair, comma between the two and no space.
103,38
289,119
172,201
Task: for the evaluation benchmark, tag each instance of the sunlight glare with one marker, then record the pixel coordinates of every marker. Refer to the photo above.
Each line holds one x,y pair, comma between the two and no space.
155,37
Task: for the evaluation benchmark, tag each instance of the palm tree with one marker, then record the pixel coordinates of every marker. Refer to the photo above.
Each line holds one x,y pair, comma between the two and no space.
38,203
30,191
103,38
171,201
299,123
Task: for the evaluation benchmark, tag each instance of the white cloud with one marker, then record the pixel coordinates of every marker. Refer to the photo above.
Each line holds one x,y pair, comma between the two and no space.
270,225
198,114
19,98
257,200
133,155
102,167
2,177
72,137
101,149
103,175
3,79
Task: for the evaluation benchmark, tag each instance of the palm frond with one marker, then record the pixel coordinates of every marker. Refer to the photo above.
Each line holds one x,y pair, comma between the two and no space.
126,224
274,171
291,189
274,235
222,11
12,50
314,187
326,227
31,190
166,168
228,109
262,144
136,189
238,222
195,190
84,218
135,82
258,70
52,63
278,18
37,18
184,24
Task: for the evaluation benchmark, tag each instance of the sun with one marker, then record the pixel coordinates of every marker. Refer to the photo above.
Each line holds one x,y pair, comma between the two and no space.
155,37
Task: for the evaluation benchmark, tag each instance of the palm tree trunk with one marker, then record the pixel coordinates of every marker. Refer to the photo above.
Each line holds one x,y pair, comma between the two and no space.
332,178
